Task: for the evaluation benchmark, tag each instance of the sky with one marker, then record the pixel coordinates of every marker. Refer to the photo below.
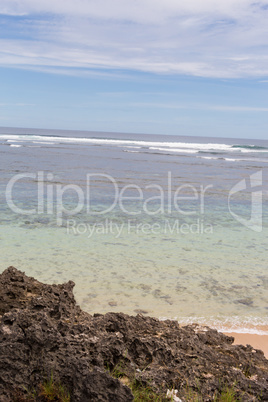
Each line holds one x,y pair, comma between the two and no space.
195,67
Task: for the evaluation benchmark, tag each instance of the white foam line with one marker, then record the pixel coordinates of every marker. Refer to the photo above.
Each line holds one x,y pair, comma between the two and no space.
132,146
171,146
189,151
239,325
178,145
234,160
209,157
242,330
247,151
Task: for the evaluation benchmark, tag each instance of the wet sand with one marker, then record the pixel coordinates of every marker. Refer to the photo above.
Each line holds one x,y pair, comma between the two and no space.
256,341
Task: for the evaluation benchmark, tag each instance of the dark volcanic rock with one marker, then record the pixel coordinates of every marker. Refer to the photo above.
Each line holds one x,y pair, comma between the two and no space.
43,331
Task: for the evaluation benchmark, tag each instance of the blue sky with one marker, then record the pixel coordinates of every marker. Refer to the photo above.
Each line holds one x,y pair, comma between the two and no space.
151,66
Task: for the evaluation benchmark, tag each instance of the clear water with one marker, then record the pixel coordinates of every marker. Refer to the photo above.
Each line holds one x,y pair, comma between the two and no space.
195,258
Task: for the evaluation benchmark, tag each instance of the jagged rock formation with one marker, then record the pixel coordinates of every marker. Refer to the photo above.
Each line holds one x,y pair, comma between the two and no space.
43,331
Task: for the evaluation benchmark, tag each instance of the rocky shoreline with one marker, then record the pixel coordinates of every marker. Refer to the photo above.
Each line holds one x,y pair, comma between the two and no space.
43,332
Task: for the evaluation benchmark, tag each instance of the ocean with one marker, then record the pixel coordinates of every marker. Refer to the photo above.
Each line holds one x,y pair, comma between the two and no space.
168,226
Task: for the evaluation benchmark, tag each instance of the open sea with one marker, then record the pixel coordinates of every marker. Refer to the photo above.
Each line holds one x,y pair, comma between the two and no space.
168,226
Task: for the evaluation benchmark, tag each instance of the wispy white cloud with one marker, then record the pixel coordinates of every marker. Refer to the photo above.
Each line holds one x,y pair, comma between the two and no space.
201,38
192,106
16,104
136,11
222,108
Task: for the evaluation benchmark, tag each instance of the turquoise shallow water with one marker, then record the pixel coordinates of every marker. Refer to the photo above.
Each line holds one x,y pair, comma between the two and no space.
194,263
165,275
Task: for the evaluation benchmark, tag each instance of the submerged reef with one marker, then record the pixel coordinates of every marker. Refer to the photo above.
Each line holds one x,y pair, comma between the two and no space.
44,333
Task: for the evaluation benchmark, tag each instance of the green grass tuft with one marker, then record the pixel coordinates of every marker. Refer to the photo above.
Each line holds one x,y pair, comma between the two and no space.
53,391
49,390
143,393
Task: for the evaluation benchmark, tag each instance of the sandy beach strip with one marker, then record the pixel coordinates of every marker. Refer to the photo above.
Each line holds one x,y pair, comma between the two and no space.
256,341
